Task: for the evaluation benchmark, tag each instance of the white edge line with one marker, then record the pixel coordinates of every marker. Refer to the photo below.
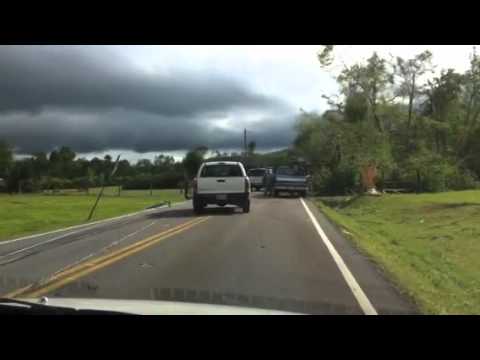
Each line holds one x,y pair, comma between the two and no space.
87,224
357,291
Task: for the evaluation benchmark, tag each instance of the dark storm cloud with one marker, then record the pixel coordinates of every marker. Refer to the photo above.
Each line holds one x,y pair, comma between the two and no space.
38,76
92,99
131,130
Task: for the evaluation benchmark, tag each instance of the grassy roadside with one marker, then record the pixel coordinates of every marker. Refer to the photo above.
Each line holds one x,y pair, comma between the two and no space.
28,214
429,244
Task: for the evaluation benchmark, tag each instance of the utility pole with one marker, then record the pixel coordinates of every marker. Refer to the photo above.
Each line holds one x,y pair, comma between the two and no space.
245,146
245,141
101,190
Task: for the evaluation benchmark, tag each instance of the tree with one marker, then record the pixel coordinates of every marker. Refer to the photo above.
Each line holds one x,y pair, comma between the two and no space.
6,158
163,164
369,96
251,147
21,173
202,150
80,167
144,166
54,164
472,158
91,177
410,71
471,100
124,168
443,107
107,167
318,139
192,161
340,149
61,162
431,170
40,164
356,107
66,154
54,157
325,57
354,142
96,165
371,81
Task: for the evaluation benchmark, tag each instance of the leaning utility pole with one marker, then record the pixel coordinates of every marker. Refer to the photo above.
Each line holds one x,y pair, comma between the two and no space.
101,190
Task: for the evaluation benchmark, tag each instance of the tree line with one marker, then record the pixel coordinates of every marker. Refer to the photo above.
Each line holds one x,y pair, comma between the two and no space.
395,119
61,169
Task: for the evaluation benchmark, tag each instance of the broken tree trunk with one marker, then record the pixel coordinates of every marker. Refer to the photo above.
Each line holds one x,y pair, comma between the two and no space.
369,174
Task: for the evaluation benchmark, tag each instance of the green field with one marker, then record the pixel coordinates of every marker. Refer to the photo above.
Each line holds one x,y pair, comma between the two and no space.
113,191
429,244
28,214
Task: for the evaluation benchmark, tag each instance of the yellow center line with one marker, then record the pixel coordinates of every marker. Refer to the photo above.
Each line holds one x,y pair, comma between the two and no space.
85,268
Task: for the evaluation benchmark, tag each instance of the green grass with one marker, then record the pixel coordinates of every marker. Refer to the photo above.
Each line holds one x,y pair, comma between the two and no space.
429,244
113,191
28,214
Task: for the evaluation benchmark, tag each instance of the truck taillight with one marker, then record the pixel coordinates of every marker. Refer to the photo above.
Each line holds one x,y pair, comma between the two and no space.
195,185
247,185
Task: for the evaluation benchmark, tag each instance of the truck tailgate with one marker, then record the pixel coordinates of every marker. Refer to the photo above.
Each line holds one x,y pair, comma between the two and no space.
223,185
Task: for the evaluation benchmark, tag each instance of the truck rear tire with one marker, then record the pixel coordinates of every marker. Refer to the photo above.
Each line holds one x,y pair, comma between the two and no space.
246,206
198,206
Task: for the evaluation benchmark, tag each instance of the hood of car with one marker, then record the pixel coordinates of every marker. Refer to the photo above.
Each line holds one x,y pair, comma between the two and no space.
153,307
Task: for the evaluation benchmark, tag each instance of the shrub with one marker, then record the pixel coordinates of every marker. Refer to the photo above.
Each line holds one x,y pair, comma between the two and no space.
461,180
54,183
343,180
82,183
443,176
29,186
167,180
3,185
320,180
140,182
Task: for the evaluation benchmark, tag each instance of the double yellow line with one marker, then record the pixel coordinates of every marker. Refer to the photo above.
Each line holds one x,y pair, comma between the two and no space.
85,268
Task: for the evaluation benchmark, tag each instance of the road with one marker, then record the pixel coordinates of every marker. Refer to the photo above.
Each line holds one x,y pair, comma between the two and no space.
273,257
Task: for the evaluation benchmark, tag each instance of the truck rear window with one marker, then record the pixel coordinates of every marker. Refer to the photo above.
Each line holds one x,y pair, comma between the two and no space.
256,172
290,171
221,171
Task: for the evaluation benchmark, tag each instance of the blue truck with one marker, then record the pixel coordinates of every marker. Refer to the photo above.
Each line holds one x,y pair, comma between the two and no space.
286,179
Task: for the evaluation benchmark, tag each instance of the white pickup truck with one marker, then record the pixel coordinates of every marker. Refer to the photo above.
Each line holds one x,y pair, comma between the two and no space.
221,183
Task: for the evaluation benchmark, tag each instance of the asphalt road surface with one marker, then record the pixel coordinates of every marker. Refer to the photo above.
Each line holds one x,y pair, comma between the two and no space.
274,257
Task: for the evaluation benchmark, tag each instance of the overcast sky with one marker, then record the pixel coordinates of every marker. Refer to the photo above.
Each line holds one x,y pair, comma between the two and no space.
145,100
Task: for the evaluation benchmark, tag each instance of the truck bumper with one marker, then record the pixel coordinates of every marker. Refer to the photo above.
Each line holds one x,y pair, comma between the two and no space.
290,188
233,199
